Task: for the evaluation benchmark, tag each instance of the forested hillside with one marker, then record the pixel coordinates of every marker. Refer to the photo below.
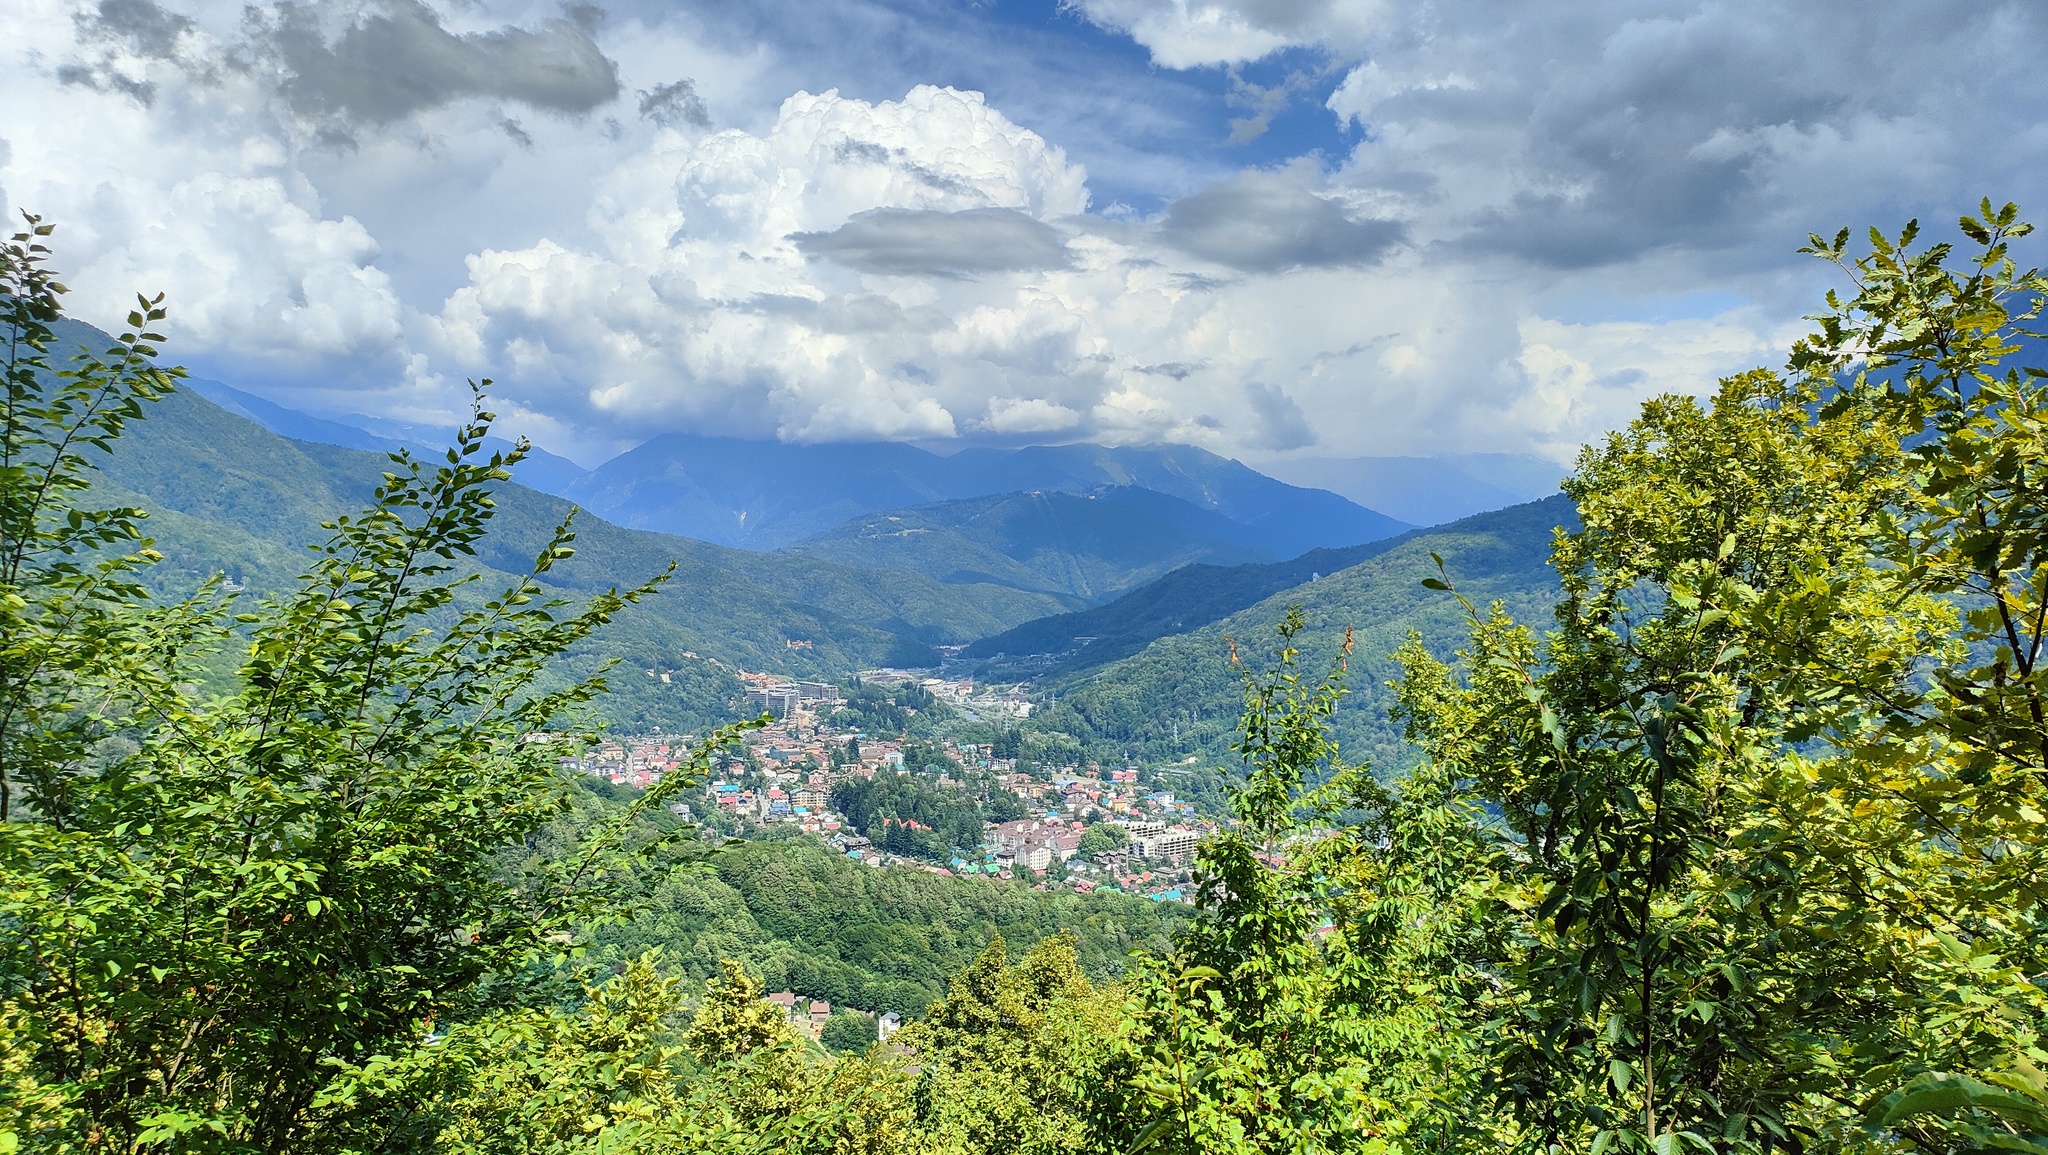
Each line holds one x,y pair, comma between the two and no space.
227,495
1728,841
1083,547
1179,695
826,927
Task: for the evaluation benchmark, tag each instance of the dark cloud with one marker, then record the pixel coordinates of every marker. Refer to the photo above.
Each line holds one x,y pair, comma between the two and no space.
868,152
1261,222
137,25
1617,129
674,104
401,61
1278,420
921,242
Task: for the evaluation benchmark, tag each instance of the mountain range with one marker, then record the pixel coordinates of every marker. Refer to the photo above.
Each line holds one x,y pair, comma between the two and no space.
1109,576
1428,490
763,495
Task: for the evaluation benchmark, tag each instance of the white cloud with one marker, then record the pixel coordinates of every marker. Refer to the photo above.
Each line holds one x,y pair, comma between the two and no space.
824,267
1011,415
1587,378
1190,33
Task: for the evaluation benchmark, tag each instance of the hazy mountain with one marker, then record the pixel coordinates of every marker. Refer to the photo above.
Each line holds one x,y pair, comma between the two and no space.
1180,696
1428,490
764,495
226,494
1186,599
1083,545
541,470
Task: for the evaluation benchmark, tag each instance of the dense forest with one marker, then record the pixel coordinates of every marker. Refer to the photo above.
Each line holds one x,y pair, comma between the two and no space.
1733,844
825,927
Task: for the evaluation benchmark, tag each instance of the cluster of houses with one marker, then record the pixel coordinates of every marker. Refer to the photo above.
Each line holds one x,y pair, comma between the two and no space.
808,1017
788,769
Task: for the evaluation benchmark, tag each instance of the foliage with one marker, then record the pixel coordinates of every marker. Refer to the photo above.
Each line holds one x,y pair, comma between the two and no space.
828,928
734,1019
1321,998
847,1032
1006,1053
213,899
873,708
1771,779
908,814
1103,836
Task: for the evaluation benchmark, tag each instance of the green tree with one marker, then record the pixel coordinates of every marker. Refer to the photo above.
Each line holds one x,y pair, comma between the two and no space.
736,1018
1008,1053
1323,997
1103,836
215,902
1765,780
847,1032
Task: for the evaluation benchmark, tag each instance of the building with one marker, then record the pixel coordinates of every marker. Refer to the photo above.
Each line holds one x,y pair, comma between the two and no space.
886,1024
820,1011
778,701
1175,844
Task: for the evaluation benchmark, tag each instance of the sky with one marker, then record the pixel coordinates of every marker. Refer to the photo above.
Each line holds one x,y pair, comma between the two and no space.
1270,228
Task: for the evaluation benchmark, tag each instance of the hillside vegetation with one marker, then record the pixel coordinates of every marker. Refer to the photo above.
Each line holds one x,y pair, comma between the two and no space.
1732,843
1079,546
826,927
227,495
1179,696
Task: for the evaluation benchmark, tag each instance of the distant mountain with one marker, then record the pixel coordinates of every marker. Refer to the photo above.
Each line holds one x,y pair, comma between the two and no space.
1186,599
1086,546
227,495
1179,695
1428,490
541,470
764,495
1292,518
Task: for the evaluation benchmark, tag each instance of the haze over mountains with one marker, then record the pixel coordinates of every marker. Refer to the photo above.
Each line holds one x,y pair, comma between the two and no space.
1428,490
1109,578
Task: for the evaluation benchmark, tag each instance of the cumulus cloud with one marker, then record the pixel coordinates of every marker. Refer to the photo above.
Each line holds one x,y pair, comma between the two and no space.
1190,33
925,242
1278,422
702,306
1029,415
1463,269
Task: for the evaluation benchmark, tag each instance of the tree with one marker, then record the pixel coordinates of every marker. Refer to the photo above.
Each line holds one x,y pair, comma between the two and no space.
1764,780
735,1019
1324,995
1007,1054
216,902
1103,836
847,1032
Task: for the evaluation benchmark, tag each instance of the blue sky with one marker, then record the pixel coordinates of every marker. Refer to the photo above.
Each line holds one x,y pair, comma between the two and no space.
1274,228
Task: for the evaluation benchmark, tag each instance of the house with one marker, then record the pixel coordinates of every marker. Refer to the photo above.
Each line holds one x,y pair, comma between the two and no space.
888,1023
820,1011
